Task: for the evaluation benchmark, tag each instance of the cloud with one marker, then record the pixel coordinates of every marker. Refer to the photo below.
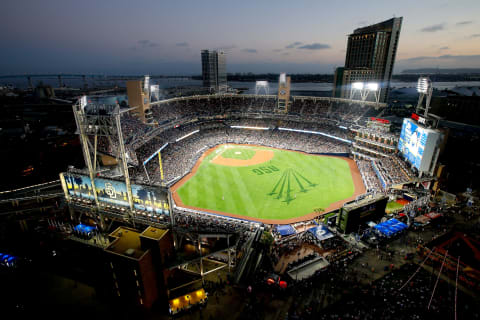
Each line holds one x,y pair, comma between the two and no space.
443,57
226,47
444,48
441,61
476,35
250,50
277,50
464,23
147,44
315,46
144,44
434,28
362,23
293,45
182,44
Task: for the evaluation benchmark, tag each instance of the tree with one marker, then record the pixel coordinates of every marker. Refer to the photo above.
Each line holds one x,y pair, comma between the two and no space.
267,239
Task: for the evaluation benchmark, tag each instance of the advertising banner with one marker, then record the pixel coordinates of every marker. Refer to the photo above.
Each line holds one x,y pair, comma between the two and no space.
146,198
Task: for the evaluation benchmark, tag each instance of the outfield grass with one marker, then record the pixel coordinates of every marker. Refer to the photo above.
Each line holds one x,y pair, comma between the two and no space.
290,185
393,205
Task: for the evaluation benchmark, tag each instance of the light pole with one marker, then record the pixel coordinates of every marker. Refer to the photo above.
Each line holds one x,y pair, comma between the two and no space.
425,89
364,89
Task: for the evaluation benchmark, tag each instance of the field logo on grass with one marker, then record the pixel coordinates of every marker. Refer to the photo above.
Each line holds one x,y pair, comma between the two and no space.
290,181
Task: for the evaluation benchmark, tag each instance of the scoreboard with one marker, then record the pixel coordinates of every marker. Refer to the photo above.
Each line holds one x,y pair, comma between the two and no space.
418,144
354,215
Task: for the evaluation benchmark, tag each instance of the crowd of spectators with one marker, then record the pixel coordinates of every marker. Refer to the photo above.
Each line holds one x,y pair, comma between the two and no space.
390,171
309,107
348,112
214,115
376,135
311,113
210,223
201,106
178,157
370,179
134,130
383,299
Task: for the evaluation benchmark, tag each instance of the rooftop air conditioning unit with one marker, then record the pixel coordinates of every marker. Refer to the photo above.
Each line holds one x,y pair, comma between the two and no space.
130,252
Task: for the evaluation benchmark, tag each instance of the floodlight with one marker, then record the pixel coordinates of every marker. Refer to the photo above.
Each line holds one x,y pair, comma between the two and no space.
146,84
83,101
372,86
423,85
357,85
262,83
425,89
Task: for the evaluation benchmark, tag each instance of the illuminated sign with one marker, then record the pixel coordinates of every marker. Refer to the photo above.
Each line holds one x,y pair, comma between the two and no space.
155,153
187,135
379,120
113,192
251,128
417,143
418,118
412,142
316,132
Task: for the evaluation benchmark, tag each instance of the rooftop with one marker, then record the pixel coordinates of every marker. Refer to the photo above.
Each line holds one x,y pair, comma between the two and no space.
154,233
367,200
127,243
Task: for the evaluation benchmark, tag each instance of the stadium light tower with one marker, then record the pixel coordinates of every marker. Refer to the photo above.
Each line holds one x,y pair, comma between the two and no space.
356,87
262,85
373,87
425,89
154,92
364,89
146,83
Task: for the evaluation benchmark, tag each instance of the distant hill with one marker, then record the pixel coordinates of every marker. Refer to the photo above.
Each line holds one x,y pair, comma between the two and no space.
442,71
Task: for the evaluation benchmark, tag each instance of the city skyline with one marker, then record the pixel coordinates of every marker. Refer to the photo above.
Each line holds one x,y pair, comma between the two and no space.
166,38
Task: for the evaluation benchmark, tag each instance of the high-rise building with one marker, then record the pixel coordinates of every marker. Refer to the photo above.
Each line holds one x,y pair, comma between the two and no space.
214,70
370,57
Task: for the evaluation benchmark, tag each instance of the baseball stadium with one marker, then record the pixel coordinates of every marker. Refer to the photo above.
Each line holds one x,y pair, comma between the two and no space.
261,158
225,172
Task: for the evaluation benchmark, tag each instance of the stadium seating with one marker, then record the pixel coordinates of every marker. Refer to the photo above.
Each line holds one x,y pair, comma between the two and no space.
214,115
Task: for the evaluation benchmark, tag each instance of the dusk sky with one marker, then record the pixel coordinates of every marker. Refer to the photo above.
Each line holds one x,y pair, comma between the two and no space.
165,37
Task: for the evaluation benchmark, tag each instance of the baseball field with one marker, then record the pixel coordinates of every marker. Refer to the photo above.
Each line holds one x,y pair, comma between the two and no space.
266,184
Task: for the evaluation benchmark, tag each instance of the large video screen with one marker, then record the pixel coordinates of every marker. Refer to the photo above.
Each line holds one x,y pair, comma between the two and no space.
418,144
351,219
412,142
146,198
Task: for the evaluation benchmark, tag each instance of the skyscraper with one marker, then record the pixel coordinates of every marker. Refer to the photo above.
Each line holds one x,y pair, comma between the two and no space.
370,57
214,70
